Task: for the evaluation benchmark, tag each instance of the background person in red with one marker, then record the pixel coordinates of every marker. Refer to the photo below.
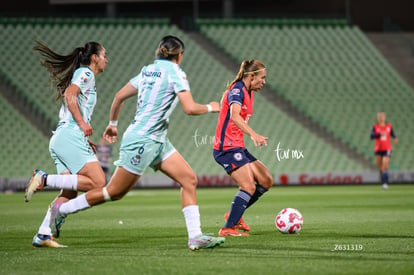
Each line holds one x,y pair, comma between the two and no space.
252,177
382,133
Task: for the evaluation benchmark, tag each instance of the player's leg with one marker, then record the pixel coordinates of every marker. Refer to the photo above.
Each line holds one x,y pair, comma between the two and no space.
174,166
379,162
263,179
244,178
384,168
134,158
89,177
73,154
43,237
121,182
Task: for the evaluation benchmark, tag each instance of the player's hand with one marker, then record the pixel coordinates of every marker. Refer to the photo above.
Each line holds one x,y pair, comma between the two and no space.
93,145
259,140
395,140
215,106
86,129
110,134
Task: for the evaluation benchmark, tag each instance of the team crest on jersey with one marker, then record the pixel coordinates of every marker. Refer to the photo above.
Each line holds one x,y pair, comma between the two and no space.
238,156
235,92
136,160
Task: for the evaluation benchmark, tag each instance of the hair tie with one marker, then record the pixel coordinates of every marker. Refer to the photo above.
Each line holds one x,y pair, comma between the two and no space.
252,72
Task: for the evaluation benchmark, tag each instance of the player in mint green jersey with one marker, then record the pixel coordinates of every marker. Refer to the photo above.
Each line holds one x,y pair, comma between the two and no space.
73,153
159,86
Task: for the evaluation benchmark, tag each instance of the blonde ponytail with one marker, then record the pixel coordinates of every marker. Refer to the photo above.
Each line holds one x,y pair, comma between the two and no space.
247,67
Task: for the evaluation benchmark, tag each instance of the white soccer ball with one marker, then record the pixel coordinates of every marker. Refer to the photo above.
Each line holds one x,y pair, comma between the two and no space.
289,221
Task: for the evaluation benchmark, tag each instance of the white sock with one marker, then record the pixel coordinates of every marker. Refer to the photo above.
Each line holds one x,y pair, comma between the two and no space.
74,205
68,182
192,220
44,228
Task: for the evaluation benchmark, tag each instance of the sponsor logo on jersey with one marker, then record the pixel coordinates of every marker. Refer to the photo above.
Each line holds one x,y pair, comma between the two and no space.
151,74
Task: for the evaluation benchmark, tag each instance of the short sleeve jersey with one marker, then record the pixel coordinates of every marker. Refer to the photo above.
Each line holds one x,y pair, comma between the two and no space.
228,135
157,85
84,78
383,143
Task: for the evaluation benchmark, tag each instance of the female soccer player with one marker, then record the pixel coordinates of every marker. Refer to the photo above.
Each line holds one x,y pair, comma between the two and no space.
73,153
382,133
252,177
145,143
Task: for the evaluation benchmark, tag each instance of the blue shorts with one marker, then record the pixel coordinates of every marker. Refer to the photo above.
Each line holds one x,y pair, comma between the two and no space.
70,150
383,153
233,159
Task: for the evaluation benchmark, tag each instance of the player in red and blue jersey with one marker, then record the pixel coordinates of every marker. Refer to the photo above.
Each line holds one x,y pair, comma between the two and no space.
252,177
382,132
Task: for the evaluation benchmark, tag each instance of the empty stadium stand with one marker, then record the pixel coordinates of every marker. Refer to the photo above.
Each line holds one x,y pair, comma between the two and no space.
329,72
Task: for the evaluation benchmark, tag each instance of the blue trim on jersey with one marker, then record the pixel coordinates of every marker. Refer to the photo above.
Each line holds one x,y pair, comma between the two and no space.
231,98
236,97
223,130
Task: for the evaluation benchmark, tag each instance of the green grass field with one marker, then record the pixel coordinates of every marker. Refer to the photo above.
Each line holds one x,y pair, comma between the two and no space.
347,230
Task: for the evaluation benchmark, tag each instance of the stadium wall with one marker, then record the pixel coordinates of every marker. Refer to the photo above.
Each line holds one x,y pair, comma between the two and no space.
223,180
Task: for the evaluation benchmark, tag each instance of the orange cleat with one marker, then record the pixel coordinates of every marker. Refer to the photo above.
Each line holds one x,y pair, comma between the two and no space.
224,232
241,225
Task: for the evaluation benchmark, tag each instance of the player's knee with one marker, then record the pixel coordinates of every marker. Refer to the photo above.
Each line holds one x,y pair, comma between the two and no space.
116,195
268,181
96,182
190,181
251,188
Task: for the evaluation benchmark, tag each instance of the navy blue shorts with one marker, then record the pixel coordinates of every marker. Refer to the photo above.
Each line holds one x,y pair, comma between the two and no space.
233,159
383,153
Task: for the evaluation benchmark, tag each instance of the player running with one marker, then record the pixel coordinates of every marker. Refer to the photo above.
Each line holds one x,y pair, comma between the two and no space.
73,153
382,133
252,177
145,143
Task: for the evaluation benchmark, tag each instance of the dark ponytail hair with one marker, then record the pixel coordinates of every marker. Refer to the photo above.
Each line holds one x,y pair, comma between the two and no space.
169,47
62,67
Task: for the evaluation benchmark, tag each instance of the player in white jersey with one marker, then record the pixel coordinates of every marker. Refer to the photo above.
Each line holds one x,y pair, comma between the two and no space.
73,153
159,87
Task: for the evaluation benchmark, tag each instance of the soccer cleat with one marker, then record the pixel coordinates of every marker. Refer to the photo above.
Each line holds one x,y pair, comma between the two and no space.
37,182
40,240
241,225
232,232
204,241
56,218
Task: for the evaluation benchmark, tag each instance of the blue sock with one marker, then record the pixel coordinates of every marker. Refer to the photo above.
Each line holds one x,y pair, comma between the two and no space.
237,209
385,176
260,190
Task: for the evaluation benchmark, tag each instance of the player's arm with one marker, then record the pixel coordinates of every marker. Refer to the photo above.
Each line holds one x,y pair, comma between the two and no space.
242,125
373,134
71,99
124,93
192,108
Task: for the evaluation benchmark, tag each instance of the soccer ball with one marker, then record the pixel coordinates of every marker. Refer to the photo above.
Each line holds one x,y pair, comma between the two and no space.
289,221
